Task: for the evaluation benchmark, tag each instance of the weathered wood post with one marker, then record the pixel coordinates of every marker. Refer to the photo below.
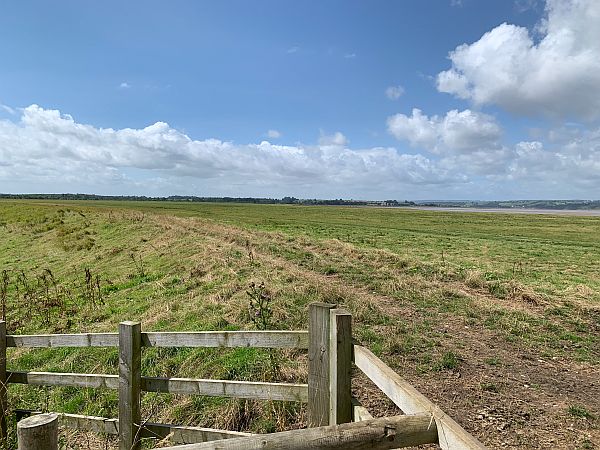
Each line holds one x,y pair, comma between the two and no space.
38,432
130,380
340,367
3,385
318,364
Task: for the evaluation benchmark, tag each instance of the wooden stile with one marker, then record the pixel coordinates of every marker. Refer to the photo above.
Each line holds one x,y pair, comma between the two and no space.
331,408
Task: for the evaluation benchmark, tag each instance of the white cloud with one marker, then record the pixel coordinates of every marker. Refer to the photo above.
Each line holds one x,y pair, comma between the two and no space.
466,141
394,92
273,134
124,85
350,55
556,75
417,129
462,132
51,152
293,49
335,139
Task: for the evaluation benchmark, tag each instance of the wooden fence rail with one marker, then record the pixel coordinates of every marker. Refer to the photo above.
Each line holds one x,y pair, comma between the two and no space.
257,339
178,434
331,408
212,388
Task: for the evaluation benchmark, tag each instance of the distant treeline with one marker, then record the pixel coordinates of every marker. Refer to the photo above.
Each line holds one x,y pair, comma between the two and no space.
191,198
527,204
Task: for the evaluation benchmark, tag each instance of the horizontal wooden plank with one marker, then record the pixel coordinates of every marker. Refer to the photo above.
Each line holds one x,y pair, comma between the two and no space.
375,434
359,412
64,340
264,339
451,435
177,434
213,388
64,379
100,425
261,339
226,388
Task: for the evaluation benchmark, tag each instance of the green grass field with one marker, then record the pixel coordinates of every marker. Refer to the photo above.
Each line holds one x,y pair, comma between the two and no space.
465,305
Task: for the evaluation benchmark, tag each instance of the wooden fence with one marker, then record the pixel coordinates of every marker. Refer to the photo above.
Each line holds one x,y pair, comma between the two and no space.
334,417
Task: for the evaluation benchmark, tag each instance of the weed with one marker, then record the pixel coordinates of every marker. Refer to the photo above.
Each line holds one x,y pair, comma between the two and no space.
580,411
139,265
449,361
259,306
329,270
587,445
489,387
51,296
494,361
497,289
261,314
249,251
91,290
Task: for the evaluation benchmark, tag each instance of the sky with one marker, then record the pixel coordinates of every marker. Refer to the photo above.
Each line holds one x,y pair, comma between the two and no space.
406,100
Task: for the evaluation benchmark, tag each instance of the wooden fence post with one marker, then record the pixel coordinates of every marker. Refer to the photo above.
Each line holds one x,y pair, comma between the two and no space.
3,385
130,380
340,367
38,432
318,364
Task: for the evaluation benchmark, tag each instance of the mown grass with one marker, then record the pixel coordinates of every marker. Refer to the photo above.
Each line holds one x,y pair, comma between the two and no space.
533,281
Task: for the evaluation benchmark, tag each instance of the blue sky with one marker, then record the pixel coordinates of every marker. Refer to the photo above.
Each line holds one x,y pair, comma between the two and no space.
311,79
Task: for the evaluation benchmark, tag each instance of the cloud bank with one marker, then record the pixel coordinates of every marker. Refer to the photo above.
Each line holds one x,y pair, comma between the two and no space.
470,143
458,155
54,153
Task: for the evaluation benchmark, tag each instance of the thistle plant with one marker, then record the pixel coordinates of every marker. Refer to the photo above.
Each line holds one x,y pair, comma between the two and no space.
259,307
261,315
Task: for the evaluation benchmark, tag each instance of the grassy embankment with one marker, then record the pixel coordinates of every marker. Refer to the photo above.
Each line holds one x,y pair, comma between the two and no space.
425,288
